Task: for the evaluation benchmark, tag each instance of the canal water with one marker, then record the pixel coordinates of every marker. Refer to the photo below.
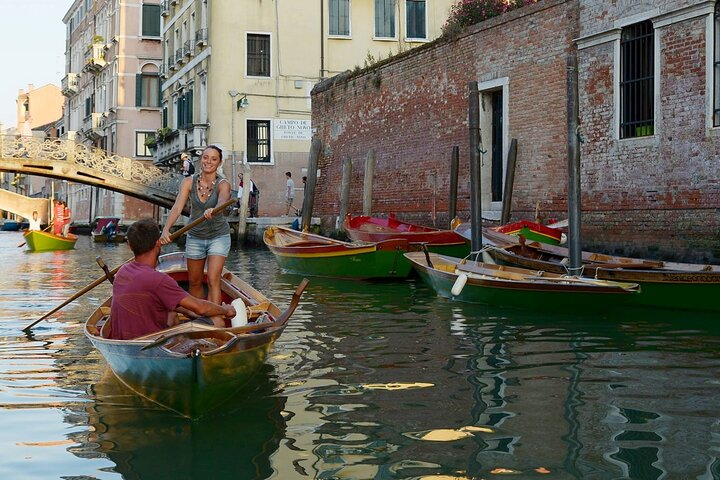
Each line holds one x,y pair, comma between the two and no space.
369,381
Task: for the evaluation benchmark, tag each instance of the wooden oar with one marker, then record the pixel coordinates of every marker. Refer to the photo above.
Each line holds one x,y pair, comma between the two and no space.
43,230
100,280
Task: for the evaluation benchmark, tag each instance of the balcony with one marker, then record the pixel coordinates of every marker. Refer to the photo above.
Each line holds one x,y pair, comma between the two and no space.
69,85
201,37
93,126
171,64
189,48
180,55
165,8
196,136
95,58
171,146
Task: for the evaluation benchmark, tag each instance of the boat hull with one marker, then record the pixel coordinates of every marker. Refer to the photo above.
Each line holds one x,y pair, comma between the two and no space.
532,231
537,295
193,368
372,229
663,284
310,254
102,238
38,241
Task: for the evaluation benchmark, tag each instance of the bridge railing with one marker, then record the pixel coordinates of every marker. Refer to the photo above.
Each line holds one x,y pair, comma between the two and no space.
38,149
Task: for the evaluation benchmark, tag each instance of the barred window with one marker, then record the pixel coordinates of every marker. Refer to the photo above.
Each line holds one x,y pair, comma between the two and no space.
716,68
385,18
258,141
258,55
339,12
637,76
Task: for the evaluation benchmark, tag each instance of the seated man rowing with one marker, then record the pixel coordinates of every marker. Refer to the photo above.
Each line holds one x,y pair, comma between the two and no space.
144,300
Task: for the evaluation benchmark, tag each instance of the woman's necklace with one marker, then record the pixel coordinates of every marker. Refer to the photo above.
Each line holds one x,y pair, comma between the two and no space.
205,191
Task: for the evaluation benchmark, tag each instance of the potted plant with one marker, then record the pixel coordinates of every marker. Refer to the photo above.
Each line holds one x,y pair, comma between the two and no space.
151,143
163,134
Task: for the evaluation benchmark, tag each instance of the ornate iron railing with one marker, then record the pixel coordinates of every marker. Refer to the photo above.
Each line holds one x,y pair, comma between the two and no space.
36,149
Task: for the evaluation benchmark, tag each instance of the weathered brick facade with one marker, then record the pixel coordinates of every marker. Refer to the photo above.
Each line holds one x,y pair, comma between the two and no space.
653,196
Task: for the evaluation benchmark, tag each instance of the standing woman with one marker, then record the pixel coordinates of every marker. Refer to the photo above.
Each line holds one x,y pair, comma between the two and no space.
209,241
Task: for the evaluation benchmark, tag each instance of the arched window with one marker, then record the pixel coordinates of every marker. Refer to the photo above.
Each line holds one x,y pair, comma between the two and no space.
147,86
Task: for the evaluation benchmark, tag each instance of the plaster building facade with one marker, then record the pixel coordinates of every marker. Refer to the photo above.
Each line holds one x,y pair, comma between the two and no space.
648,114
239,75
111,84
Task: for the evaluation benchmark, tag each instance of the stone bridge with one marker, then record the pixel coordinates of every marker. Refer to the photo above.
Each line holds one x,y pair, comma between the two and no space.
24,206
67,160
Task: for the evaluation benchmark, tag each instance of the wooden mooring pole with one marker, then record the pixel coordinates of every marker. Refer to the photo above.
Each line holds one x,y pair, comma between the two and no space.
454,168
509,181
475,193
344,190
368,184
574,206
308,199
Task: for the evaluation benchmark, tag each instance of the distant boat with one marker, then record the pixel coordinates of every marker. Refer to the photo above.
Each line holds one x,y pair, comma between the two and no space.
107,230
477,282
311,254
10,225
39,241
373,229
192,368
686,286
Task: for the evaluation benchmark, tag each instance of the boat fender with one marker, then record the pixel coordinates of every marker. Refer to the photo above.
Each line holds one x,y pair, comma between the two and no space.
459,284
240,317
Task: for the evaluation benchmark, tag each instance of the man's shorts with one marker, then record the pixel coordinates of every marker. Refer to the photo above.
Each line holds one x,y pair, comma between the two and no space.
201,248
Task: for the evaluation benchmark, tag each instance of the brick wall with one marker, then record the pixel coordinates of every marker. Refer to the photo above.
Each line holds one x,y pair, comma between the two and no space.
637,194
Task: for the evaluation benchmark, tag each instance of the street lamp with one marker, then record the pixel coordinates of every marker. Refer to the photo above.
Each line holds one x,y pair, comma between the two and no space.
233,94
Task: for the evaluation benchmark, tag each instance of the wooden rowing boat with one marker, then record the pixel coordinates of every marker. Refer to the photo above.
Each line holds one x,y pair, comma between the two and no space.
311,254
373,229
107,230
192,368
532,231
39,241
478,282
675,285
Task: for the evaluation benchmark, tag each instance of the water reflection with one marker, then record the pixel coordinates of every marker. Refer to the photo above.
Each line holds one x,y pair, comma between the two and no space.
148,442
369,380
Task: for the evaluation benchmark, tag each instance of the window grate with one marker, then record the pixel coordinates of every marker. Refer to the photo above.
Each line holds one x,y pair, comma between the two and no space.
258,141
637,69
258,55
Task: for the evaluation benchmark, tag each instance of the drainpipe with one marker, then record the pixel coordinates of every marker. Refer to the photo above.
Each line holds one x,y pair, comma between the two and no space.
322,38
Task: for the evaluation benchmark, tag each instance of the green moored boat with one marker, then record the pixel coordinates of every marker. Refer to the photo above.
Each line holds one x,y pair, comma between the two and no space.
39,241
490,284
683,286
310,254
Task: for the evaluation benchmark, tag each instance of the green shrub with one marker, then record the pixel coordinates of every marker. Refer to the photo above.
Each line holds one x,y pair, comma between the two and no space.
469,12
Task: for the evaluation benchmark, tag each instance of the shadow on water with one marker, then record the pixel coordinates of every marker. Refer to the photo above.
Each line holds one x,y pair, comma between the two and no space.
148,442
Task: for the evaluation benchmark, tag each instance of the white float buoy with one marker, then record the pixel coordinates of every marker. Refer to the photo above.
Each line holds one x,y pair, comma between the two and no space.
240,317
459,284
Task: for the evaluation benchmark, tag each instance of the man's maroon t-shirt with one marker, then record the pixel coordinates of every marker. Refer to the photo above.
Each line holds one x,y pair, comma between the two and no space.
142,299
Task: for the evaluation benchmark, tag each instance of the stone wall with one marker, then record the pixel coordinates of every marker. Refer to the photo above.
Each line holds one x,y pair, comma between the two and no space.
656,196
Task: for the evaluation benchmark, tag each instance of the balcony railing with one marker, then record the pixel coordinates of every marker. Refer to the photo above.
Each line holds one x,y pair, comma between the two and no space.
171,63
163,70
69,85
201,37
180,55
189,48
165,8
170,147
95,57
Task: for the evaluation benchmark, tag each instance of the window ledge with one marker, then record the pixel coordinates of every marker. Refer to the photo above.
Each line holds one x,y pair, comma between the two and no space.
639,141
385,39
151,38
713,131
339,37
417,40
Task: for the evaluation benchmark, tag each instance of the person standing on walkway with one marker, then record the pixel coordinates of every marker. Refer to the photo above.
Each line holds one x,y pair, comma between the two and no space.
208,242
187,169
289,192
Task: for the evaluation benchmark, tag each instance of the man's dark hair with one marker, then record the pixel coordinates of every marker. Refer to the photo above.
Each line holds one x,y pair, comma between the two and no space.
288,174
142,235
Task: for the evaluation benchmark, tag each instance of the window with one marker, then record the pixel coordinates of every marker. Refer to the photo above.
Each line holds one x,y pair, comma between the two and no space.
147,90
416,19
385,18
184,109
716,69
339,17
150,20
140,149
637,76
258,141
258,55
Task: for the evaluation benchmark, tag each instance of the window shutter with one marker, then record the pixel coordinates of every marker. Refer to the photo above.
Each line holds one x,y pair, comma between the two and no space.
189,109
151,20
138,90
